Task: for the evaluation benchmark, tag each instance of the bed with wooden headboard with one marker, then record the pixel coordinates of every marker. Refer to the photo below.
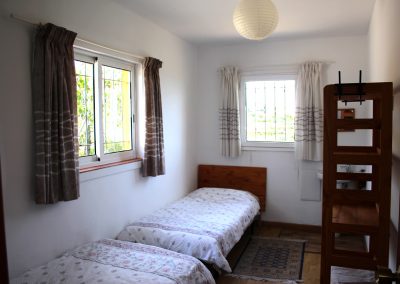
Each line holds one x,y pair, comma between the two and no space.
208,221
251,179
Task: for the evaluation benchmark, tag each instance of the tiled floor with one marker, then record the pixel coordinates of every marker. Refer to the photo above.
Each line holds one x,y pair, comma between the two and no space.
312,255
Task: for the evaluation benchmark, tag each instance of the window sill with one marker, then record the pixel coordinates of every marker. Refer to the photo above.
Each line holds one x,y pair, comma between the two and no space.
99,171
113,164
268,149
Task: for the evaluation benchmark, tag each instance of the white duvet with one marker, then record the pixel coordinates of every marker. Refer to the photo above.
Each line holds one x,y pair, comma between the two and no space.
205,224
111,261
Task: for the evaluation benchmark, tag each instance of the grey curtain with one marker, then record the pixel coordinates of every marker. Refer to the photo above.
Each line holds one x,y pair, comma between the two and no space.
229,112
153,160
54,106
309,121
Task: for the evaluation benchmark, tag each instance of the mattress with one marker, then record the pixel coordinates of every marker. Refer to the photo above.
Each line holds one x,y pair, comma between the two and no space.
205,224
112,261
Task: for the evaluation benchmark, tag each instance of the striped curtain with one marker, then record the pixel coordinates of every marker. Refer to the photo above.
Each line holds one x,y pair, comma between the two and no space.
229,113
153,161
309,112
55,115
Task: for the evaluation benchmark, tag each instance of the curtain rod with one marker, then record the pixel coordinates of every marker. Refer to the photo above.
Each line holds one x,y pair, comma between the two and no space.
26,21
276,67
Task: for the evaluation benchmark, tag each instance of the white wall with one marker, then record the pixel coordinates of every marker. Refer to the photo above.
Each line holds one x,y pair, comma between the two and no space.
384,59
348,54
37,233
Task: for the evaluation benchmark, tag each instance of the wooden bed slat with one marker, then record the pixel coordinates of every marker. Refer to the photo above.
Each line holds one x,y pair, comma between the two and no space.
252,179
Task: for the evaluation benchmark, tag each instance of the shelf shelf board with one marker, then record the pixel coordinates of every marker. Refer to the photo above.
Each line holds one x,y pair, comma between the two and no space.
359,158
361,215
358,124
354,176
353,196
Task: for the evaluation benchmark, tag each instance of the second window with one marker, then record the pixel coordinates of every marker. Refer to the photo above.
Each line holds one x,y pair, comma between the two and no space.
268,109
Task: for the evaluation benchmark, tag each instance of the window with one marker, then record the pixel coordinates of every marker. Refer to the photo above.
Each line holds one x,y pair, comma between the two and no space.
85,102
105,99
268,104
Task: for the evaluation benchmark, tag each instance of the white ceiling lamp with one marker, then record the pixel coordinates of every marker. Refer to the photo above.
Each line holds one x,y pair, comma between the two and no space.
255,19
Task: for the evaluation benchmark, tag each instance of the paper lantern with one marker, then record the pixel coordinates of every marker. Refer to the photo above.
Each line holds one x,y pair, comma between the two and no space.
255,19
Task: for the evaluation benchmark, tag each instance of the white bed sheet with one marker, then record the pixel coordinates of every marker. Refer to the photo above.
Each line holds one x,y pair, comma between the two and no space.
206,224
111,261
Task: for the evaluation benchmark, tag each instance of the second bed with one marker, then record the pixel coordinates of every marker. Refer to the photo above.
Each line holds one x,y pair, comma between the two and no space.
209,221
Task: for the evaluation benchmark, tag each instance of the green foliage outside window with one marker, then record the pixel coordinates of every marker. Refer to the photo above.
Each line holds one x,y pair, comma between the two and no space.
116,109
270,111
85,103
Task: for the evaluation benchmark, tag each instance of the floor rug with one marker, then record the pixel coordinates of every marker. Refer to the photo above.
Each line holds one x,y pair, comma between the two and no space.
313,239
271,258
258,280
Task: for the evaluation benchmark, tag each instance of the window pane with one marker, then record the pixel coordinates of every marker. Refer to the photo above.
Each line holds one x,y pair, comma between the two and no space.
117,109
270,111
85,101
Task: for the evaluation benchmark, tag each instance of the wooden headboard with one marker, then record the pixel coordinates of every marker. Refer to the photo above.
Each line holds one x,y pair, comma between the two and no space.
252,179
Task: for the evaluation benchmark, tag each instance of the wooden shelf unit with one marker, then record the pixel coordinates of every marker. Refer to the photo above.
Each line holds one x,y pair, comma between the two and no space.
363,212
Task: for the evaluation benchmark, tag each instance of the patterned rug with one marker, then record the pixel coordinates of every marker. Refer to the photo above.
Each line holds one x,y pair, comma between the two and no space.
271,259
313,244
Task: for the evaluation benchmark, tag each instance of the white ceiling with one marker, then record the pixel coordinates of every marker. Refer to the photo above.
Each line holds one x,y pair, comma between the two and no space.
210,21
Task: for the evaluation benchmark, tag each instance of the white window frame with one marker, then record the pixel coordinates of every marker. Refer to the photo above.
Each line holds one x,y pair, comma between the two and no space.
274,73
101,59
